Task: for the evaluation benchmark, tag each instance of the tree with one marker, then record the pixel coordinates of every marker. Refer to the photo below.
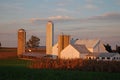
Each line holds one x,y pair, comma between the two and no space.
108,47
33,42
118,49
0,44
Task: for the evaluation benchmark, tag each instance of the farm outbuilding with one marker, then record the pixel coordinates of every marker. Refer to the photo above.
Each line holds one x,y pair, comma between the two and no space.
74,51
109,56
94,46
80,49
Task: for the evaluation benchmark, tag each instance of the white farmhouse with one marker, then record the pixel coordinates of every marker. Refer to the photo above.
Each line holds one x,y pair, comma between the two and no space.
94,46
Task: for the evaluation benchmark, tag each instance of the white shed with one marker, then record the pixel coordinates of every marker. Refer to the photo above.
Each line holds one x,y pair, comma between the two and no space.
74,51
94,46
109,56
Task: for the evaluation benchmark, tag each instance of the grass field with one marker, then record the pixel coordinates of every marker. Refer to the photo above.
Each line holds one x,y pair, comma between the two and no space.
16,69
12,68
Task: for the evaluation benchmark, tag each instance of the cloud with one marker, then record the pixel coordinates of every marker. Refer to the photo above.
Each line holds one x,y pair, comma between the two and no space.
61,10
9,6
89,1
91,7
64,3
59,17
107,16
33,20
117,2
92,4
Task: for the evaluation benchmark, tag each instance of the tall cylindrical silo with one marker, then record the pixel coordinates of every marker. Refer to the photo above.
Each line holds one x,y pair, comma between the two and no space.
49,37
21,42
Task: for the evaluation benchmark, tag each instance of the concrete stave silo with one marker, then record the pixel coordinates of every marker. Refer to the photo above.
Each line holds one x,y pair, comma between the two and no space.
21,42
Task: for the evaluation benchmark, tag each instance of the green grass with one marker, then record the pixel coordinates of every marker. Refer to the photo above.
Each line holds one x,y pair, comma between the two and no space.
14,62
15,69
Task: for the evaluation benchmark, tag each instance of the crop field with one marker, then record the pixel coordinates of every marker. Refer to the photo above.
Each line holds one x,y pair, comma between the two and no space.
12,68
16,69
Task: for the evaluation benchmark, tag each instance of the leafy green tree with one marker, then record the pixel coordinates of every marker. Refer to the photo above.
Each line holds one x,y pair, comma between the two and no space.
33,42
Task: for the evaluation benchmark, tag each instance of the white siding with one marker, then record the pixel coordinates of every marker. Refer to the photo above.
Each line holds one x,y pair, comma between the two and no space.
55,50
116,57
90,49
70,53
99,48
83,56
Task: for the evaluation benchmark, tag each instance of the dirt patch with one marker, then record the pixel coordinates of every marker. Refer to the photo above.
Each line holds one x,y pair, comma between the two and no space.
5,55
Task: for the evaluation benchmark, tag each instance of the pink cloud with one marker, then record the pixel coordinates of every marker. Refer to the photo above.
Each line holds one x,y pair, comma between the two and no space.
59,17
32,20
107,16
111,14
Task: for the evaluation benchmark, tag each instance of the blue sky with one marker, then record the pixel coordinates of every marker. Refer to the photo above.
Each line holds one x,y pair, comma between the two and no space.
78,18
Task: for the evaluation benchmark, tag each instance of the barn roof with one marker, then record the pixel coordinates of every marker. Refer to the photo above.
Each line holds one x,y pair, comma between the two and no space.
88,43
107,54
81,48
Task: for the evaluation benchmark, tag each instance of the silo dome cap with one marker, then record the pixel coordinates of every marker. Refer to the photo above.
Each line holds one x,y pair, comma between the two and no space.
50,22
21,30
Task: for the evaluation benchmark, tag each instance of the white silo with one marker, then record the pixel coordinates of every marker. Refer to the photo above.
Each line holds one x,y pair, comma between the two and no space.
49,37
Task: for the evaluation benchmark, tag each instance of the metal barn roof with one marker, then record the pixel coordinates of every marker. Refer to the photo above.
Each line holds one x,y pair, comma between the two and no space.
81,48
88,43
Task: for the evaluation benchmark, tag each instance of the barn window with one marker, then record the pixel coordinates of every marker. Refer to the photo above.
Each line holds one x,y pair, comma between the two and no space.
114,58
103,57
97,57
117,58
90,58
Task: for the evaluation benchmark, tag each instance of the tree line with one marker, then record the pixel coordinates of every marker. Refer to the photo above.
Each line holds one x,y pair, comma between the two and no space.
109,49
34,42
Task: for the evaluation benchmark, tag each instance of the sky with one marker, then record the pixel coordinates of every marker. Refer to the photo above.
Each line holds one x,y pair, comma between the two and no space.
82,19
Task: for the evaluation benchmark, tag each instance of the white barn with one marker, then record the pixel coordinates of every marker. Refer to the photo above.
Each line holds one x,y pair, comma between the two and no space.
94,46
74,51
80,49
55,49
